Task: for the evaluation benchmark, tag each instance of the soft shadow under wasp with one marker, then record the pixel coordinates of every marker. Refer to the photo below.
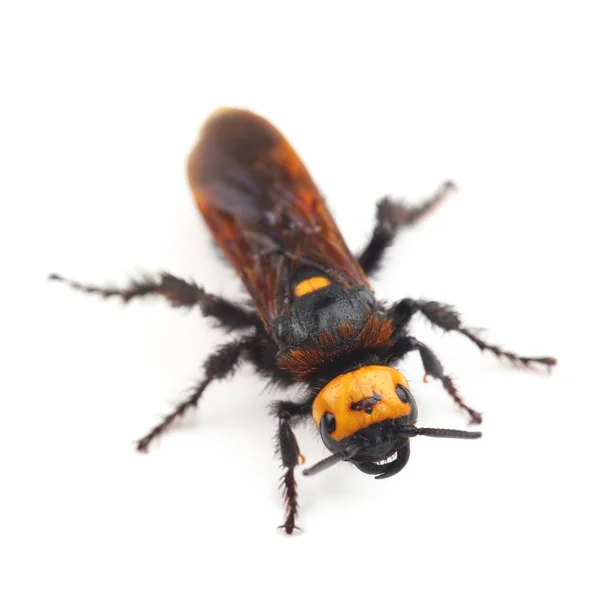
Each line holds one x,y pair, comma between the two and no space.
315,319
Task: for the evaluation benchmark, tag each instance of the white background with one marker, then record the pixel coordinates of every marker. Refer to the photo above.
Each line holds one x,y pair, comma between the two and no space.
99,108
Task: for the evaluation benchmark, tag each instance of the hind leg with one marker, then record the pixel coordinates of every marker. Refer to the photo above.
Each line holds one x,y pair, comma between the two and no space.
391,216
179,293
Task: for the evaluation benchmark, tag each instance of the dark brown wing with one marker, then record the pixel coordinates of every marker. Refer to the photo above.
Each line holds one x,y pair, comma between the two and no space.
264,210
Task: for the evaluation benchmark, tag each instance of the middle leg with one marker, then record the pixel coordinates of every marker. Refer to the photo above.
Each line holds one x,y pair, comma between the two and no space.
448,319
217,366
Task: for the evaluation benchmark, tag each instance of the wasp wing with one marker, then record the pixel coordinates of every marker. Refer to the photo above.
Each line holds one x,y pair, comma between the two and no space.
264,210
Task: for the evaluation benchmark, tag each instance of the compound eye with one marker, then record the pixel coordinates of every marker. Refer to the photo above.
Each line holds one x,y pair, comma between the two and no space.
328,423
327,427
403,394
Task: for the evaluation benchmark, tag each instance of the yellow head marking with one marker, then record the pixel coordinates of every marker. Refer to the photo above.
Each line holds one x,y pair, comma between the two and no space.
342,398
312,284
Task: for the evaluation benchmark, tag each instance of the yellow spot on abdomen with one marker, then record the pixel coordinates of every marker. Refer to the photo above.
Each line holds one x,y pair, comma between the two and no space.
311,285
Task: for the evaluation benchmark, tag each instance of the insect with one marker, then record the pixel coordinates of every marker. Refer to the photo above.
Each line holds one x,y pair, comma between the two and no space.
315,321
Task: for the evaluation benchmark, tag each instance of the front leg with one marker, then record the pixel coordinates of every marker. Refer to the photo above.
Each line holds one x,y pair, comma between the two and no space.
433,367
290,455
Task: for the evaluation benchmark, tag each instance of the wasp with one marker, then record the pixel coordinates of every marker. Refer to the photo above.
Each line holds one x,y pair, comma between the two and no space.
314,320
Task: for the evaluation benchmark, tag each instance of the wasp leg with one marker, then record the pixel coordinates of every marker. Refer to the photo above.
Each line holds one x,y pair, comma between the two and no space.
289,451
179,293
217,366
391,216
263,356
433,367
448,319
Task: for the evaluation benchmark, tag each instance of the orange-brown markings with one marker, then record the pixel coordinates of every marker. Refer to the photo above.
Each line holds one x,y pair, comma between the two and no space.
235,149
342,393
326,347
311,285
282,159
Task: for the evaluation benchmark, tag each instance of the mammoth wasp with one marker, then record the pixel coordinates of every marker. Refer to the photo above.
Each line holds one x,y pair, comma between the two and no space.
315,320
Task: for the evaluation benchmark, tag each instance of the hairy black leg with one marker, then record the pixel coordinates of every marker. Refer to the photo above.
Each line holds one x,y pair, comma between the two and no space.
263,356
179,293
217,366
434,367
391,216
448,319
289,452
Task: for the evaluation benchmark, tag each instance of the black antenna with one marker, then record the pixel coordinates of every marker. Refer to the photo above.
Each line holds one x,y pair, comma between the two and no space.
409,431
439,433
324,464
334,459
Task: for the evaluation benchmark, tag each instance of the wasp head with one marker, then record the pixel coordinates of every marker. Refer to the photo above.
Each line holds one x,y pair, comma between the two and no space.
361,416
367,417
